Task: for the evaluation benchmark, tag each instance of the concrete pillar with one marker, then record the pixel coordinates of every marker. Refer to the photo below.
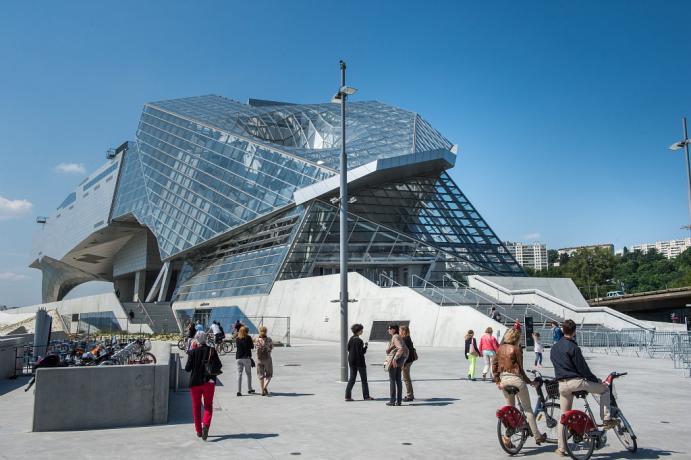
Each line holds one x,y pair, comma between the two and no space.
165,283
139,286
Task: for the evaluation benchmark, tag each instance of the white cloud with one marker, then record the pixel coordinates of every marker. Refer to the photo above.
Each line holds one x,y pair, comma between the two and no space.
535,236
13,209
11,276
70,168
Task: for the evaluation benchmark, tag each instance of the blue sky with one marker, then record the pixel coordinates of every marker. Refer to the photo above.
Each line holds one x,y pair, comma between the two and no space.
563,111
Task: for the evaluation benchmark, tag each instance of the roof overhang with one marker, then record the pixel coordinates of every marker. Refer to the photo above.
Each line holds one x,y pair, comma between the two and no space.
381,171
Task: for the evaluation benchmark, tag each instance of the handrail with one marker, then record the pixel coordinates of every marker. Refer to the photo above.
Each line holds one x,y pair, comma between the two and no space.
387,278
140,305
436,289
563,304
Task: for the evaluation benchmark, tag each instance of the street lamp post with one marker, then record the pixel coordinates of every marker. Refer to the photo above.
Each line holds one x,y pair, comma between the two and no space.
684,143
341,96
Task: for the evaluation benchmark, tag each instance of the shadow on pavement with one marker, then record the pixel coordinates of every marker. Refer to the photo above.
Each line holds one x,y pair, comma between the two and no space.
640,454
223,437
271,393
8,385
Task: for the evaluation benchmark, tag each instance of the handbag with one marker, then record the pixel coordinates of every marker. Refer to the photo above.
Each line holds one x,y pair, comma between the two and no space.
211,367
253,363
389,360
413,355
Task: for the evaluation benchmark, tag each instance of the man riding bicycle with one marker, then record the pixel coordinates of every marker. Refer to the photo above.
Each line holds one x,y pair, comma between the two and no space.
573,374
216,331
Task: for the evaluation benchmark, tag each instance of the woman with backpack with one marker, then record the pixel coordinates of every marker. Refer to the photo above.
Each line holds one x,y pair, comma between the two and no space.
472,352
412,357
204,365
265,367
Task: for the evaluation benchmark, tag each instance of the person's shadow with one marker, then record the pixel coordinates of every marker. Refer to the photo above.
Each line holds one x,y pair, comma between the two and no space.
223,437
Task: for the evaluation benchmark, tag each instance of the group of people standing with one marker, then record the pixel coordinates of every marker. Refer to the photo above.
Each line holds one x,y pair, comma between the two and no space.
204,366
400,356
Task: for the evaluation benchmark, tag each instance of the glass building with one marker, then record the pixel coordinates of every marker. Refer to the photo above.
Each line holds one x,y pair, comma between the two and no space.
218,199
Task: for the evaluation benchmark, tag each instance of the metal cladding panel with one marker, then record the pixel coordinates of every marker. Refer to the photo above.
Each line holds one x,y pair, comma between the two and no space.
84,211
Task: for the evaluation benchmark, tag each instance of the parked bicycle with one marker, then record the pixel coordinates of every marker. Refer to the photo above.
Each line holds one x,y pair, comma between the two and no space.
581,431
512,424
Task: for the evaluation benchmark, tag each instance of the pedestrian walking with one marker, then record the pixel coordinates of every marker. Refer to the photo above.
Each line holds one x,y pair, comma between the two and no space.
265,366
538,349
243,358
357,364
507,370
199,327
494,314
191,331
472,352
396,355
488,348
202,384
412,357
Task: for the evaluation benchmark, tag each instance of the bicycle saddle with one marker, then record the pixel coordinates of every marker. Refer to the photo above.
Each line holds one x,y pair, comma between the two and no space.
511,390
580,394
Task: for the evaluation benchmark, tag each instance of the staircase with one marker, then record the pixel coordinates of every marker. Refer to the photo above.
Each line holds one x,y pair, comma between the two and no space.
464,295
159,317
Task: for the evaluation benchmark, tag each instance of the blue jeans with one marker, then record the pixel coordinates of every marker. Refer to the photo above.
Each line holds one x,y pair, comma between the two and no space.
395,384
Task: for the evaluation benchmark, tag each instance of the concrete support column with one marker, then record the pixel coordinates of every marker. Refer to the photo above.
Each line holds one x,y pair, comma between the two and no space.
165,283
139,286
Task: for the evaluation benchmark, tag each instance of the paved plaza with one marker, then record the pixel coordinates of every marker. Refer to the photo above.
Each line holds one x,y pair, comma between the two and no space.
307,418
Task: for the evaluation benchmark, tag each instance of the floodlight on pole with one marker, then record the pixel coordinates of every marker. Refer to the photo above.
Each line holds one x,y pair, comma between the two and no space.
684,144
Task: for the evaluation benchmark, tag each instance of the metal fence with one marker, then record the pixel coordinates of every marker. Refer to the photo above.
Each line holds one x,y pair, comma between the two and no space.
648,344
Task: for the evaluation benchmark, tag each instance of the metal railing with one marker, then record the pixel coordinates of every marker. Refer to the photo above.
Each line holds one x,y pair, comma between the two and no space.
642,343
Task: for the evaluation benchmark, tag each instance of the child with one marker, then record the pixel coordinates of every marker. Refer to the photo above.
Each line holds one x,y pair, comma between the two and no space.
538,349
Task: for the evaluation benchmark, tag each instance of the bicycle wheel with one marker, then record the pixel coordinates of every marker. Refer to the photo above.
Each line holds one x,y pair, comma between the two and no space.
146,358
515,436
181,344
548,421
578,446
625,433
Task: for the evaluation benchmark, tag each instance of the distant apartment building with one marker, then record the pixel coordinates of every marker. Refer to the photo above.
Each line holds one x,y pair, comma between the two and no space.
571,251
669,249
529,255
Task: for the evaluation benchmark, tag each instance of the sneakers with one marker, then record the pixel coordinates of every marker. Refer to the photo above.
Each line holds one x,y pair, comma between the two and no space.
239,394
205,432
251,392
408,398
349,399
199,434
369,398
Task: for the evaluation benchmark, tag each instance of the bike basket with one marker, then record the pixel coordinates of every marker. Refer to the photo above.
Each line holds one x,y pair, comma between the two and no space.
552,388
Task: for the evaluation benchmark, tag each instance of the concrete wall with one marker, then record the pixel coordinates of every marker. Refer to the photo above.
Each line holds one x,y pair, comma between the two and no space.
90,304
81,398
312,314
561,288
589,315
8,354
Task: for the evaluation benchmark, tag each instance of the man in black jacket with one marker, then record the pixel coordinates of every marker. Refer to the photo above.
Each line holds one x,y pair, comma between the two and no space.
356,362
574,375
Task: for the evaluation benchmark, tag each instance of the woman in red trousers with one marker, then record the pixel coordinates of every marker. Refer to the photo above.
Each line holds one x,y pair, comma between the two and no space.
202,385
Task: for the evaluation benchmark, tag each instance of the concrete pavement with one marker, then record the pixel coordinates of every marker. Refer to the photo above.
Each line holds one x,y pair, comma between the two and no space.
307,418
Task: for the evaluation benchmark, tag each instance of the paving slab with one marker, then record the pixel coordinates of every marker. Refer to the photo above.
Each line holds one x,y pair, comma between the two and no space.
306,416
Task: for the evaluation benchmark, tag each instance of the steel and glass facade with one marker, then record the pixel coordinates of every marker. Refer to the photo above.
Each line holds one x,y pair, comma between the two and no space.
239,196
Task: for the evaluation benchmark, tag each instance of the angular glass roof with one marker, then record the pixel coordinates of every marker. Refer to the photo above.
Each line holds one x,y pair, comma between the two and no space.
312,131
